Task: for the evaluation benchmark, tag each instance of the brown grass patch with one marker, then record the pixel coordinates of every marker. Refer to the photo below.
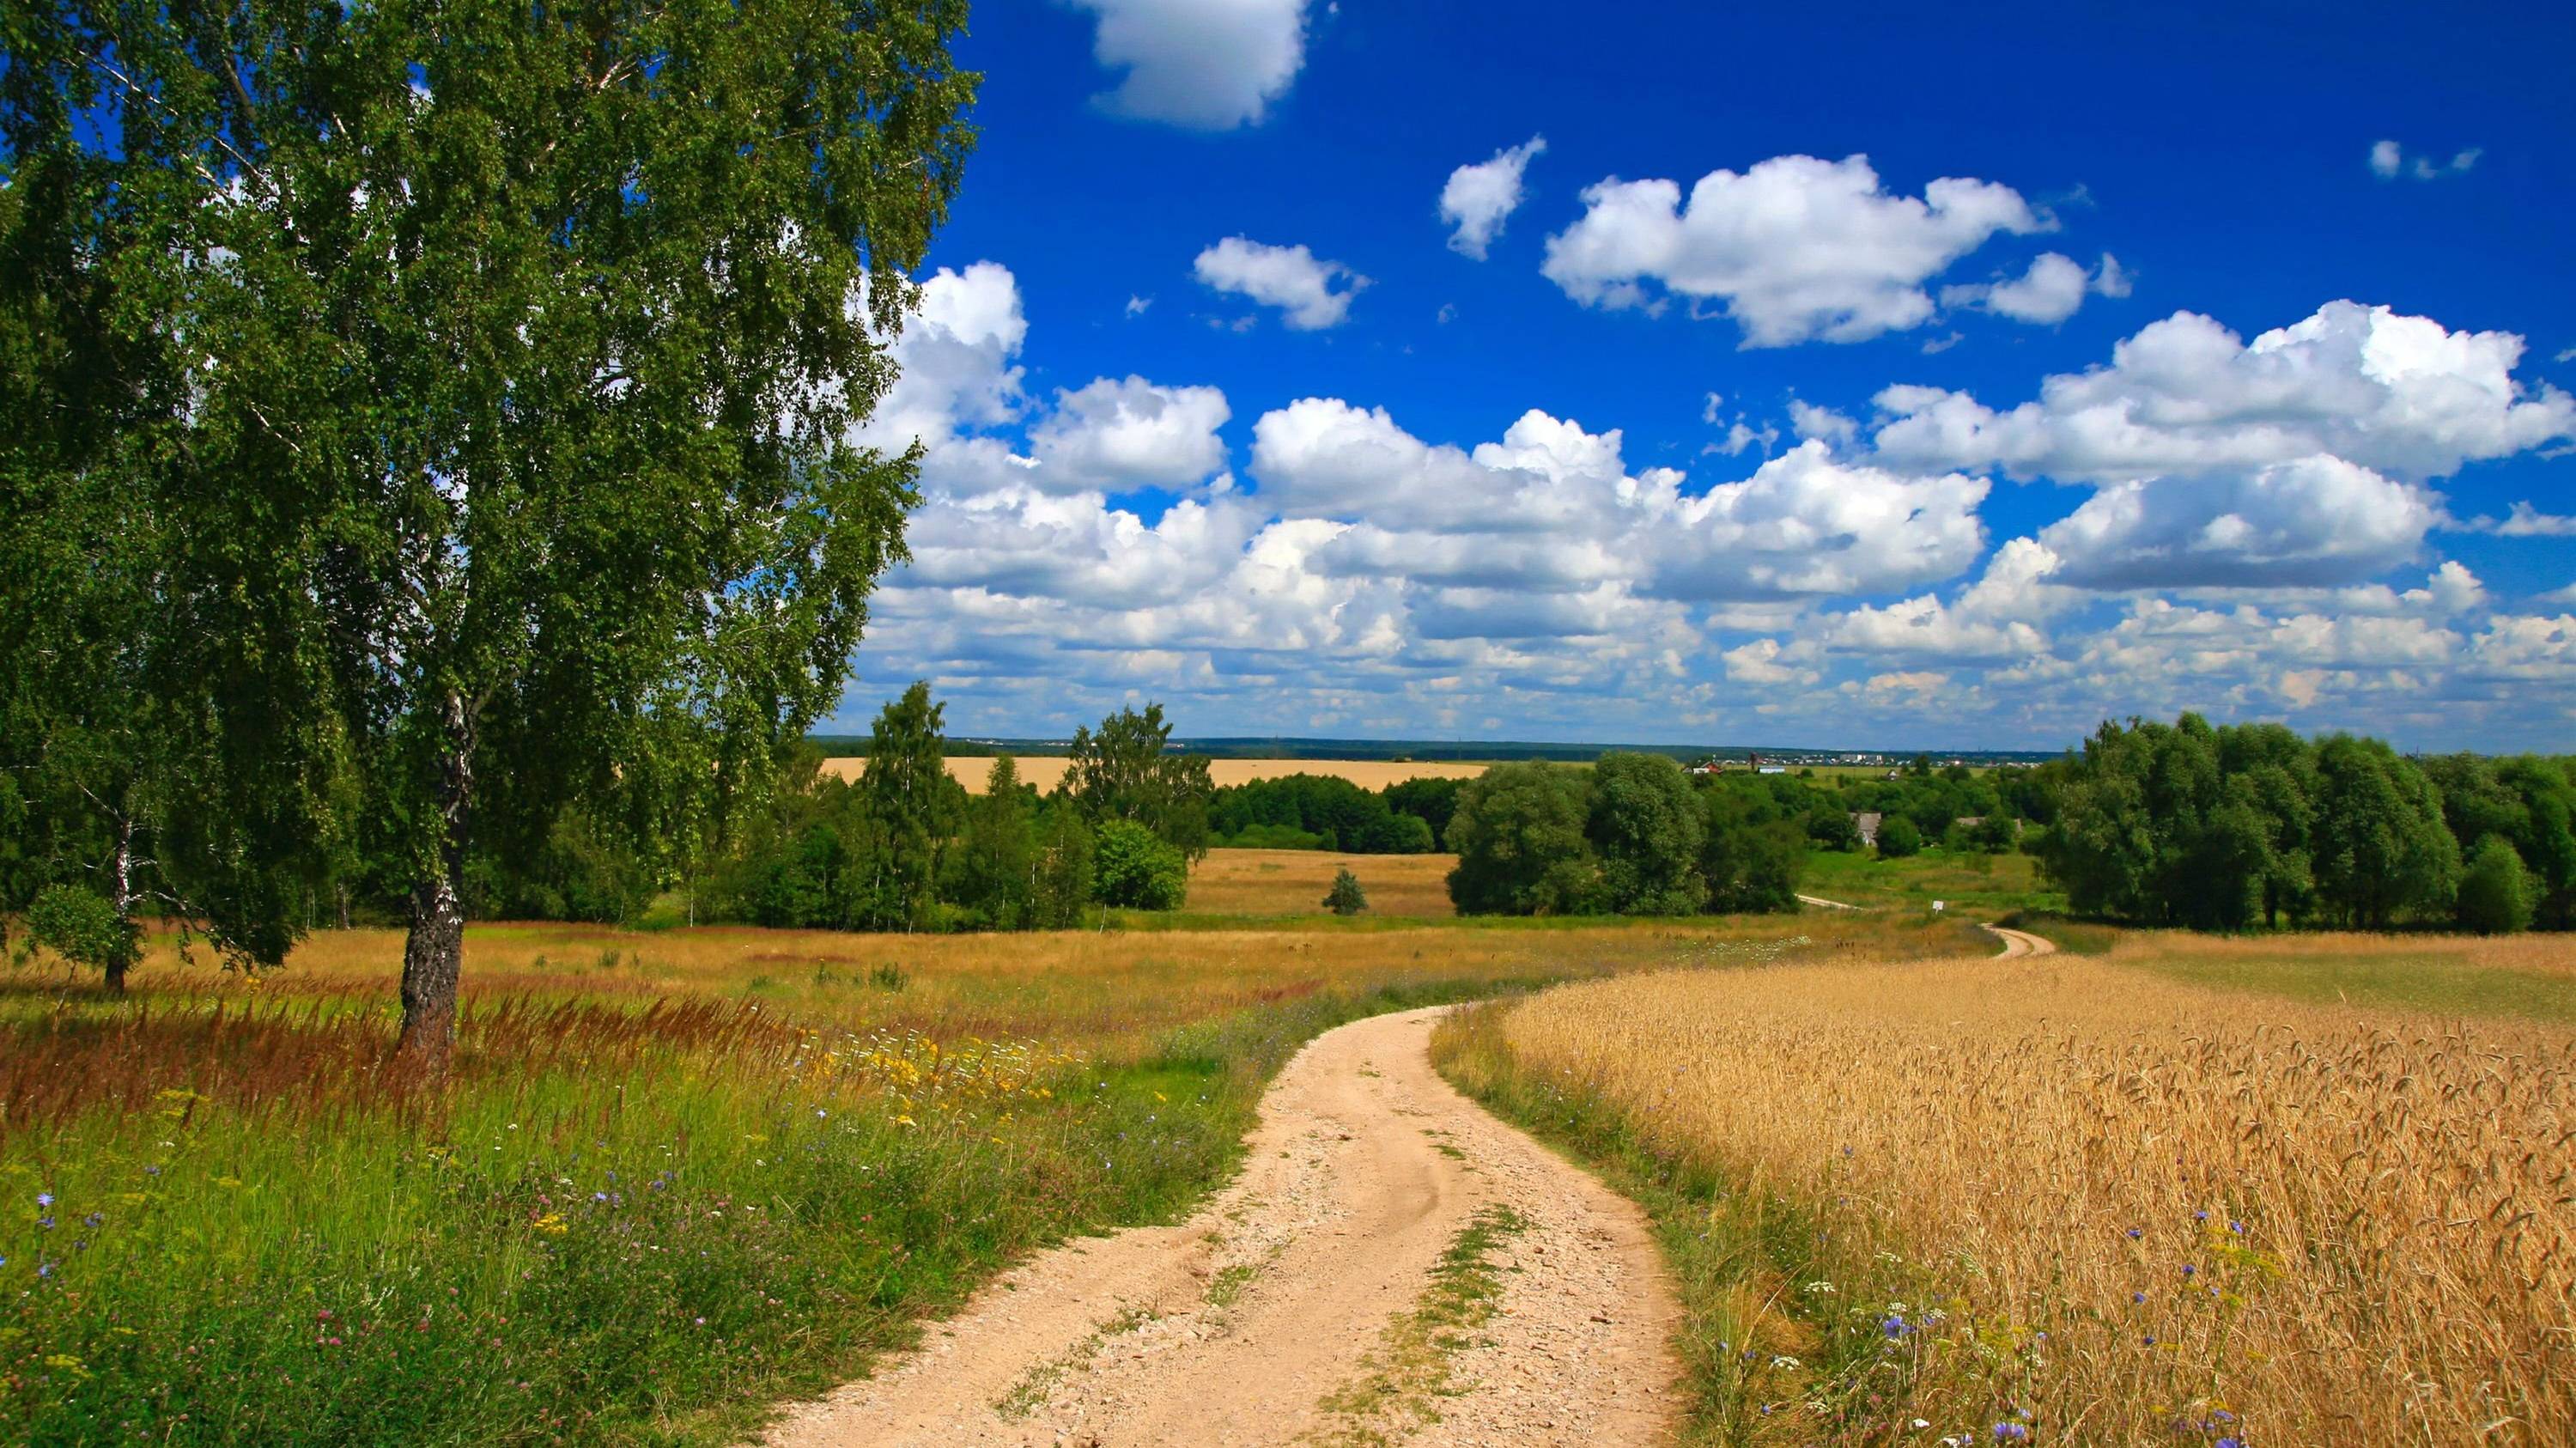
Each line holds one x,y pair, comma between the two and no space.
1293,882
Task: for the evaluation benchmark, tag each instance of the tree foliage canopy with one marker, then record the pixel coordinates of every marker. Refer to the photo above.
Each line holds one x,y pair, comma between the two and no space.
478,384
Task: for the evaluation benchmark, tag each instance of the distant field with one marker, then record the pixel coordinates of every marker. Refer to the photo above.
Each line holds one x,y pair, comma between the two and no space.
1985,885
1293,882
1047,770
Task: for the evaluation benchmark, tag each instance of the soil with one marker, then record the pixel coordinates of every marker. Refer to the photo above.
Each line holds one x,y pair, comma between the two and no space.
1278,1313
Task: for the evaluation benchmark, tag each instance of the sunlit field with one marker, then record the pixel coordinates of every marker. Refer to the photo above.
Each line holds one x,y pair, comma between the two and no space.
1046,771
677,1175
2091,1199
1963,880
1293,882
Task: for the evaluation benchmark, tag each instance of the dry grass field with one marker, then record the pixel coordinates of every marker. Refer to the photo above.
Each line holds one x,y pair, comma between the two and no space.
1293,882
1046,771
2087,1198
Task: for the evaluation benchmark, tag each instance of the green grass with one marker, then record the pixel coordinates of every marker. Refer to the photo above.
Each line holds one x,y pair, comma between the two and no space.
2395,980
610,1245
1987,885
1409,1369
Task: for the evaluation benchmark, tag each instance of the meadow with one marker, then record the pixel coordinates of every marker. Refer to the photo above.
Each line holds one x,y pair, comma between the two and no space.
676,1176
2175,1193
1046,771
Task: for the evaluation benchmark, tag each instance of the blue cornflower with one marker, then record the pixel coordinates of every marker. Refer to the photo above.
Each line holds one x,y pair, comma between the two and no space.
92,1220
2200,1216
45,1222
2135,1234
2229,1443
1895,1327
599,1196
2237,1227
2137,1297
44,1199
2010,1432
2188,1269
44,1269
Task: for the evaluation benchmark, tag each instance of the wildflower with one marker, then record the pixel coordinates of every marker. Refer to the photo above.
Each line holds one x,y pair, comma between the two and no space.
93,1221
2230,1443
44,1269
2137,1297
2188,1269
44,1199
2010,1432
1920,1424
45,1222
1896,1327
2200,1216
2135,1234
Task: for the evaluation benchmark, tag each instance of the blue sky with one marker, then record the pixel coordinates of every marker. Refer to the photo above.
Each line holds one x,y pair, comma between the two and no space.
1887,378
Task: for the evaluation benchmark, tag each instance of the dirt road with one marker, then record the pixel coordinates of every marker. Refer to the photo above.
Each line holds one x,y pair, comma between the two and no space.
2018,943
1393,1265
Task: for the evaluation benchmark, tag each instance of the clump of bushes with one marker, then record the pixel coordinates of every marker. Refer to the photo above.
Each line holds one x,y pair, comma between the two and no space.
1633,835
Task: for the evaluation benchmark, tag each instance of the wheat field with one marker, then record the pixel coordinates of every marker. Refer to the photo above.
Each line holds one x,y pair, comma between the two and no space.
2065,1195
1046,771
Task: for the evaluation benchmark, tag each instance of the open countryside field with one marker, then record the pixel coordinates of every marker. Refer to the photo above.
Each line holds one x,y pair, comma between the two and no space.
1046,771
2176,1193
677,1175
1293,882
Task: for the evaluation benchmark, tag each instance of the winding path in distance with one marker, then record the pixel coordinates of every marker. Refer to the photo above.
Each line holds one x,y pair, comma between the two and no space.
2019,943
1265,1318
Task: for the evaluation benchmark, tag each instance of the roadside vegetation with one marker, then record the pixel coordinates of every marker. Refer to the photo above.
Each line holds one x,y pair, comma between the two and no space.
673,1176
2179,1194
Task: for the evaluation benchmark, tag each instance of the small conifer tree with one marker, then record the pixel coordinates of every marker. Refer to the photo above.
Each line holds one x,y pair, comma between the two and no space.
1346,896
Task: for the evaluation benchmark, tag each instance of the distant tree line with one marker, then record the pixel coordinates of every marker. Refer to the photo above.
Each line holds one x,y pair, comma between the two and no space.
2226,827
1327,812
1632,835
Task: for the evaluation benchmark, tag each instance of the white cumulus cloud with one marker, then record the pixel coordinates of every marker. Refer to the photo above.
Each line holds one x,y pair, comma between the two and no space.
2397,394
2311,521
1290,278
1479,197
1794,248
1211,65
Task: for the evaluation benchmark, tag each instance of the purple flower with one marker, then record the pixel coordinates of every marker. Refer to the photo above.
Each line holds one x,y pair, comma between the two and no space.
2230,1443
2010,1432
2200,1216
2188,1269
44,1199
93,1220
2137,1297
2135,1234
44,1269
2236,1227
45,1222
1896,1327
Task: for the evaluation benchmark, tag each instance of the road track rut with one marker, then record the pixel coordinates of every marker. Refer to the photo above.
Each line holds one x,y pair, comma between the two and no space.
1267,1317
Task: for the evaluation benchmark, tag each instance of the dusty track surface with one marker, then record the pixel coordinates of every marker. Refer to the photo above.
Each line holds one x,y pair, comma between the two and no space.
1822,903
2018,943
1271,1317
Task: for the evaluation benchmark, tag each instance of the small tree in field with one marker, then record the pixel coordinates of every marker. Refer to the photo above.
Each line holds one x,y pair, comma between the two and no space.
2495,894
85,928
1898,837
1346,897
1138,869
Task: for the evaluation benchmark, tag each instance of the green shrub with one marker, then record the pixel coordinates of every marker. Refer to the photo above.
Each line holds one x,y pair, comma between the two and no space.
85,928
1346,897
2495,894
1136,869
1898,837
